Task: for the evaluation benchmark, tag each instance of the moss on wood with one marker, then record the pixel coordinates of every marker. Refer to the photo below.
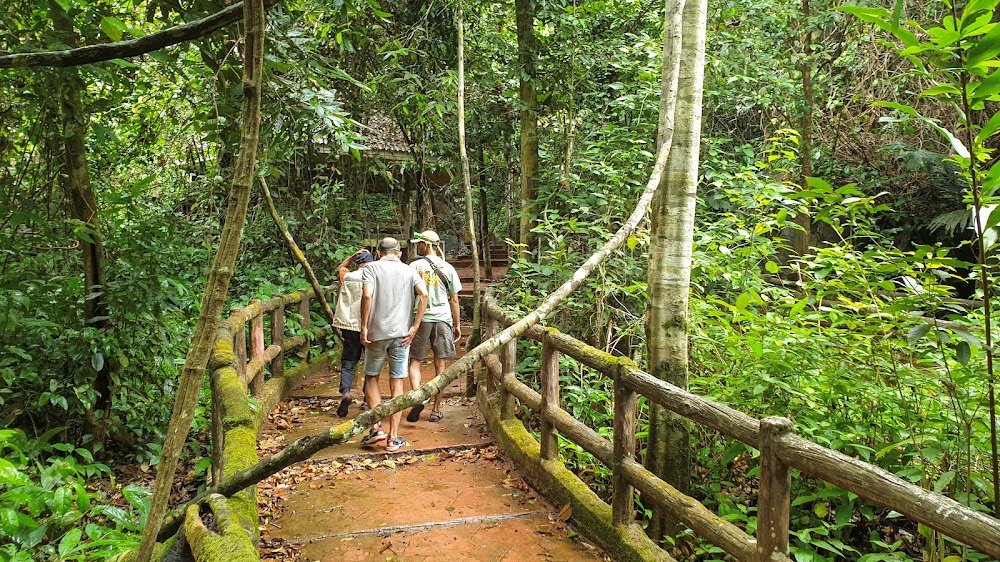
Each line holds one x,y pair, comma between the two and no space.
222,351
228,545
236,409
592,516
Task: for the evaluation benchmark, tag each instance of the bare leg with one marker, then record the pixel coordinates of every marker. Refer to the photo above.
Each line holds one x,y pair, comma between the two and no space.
372,394
438,369
396,389
414,373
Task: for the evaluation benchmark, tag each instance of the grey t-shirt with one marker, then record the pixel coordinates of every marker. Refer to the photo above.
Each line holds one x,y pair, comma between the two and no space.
393,284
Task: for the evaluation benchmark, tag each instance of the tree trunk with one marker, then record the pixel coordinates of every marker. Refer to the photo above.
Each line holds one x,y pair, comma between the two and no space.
76,183
466,175
217,285
526,50
294,248
802,239
671,238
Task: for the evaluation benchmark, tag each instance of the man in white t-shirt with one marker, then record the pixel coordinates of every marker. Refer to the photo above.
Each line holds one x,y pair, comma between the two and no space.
440,328
393,301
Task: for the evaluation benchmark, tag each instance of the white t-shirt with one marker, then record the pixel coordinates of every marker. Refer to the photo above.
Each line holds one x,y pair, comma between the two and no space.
438,305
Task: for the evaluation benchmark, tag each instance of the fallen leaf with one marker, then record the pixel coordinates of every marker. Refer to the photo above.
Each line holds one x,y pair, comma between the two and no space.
565,513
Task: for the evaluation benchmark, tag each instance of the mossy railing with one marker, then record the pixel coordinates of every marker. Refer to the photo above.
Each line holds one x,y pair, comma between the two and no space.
242,396
614,526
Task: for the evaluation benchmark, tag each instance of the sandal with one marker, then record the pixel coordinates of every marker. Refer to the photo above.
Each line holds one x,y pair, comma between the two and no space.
436,416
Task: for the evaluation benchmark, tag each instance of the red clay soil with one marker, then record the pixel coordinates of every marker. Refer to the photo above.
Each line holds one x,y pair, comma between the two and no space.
448,496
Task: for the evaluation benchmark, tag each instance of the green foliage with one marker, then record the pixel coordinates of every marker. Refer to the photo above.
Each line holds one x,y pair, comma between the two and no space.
47,509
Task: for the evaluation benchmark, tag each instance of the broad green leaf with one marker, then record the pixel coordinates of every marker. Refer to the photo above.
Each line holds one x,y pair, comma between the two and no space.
969,337
732,452
963,353
943,481
10,475
941,89
771,267
82,498
902,108
991,126
743,301
113,28
97,361
986,48
917,332
975,7
820,510
69,542
976,23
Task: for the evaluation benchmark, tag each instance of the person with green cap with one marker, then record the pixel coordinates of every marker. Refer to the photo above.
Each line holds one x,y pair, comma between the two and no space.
439,329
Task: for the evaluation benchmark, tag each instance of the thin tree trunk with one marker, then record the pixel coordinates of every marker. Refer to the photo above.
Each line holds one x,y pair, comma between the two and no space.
76,182
529,126
299,256
484,216
671,238
801,240
217,285
466,175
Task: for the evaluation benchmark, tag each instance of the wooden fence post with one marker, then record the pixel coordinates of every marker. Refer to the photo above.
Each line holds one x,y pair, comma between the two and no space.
218,431
240,350
492,327
550,397
774,496
623,496
277,338
304,311
257,348
509,362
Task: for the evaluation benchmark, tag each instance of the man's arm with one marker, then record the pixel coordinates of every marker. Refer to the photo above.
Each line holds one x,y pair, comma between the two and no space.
456,327
366,310
421,292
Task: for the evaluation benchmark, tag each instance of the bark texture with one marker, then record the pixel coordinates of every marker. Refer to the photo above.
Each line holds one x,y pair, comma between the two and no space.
217,284
76,184
526,53
668,454
466,175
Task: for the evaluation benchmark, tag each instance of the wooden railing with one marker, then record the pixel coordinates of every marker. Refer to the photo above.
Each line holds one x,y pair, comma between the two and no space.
780,452
231,352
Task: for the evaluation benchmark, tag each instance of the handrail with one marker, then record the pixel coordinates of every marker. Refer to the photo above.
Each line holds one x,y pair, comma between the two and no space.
235,373
781,451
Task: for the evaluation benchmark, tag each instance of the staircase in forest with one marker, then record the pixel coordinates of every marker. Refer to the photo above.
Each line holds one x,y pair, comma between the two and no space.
499,263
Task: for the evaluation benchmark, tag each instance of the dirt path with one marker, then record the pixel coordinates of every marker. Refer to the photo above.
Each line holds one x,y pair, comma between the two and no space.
447,496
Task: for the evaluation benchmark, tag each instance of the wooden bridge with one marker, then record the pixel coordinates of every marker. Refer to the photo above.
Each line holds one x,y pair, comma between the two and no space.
270,348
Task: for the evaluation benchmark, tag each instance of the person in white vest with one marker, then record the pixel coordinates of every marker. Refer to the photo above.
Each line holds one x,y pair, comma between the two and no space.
347,318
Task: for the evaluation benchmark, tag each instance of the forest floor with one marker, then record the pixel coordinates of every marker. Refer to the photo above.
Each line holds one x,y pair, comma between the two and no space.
447,495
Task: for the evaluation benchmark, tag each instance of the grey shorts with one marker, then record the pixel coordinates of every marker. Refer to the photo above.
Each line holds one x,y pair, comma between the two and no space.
434,335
